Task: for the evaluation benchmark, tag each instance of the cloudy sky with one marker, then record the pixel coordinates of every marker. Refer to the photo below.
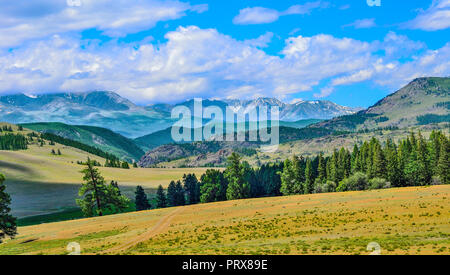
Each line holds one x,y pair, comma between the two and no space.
152,51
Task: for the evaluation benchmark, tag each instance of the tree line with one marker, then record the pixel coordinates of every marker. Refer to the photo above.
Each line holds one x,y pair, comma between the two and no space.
110,158
13,142
413,161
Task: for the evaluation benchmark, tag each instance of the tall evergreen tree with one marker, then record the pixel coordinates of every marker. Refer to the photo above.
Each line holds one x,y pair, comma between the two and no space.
96,196
393,172
288,180
322,169
141,199
161,200
309,175
444,162
172,196
234,173
213,186
8,226
181,199
378,169
423,157
192,188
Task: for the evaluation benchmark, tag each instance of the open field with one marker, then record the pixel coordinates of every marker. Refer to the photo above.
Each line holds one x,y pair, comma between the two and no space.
412,220
42,183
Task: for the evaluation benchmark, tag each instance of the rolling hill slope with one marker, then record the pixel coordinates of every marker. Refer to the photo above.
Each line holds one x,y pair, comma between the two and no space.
102,138
41,183
409,220
423,101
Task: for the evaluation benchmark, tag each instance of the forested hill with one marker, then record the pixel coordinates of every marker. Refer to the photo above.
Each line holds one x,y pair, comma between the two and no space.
101,138
423,101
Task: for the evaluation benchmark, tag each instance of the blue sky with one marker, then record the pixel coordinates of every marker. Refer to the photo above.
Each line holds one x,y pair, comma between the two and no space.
153,51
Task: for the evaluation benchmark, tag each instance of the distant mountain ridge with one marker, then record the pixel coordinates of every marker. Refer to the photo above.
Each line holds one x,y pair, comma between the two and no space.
109,110
101,109
301,110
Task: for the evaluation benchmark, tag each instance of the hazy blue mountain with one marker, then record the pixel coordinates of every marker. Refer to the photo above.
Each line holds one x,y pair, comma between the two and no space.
301,110
102,109
109,110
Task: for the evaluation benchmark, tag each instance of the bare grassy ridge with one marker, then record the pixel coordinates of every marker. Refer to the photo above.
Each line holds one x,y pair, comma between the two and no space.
412,220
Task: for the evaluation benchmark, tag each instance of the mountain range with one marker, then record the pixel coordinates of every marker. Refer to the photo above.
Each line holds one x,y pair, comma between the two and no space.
111,111
424,101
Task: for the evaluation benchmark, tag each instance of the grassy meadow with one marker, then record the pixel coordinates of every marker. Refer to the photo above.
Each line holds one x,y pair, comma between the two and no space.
41,183
413,220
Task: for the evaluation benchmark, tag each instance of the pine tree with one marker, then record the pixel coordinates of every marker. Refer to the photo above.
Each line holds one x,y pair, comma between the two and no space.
234,173
423,158
96,196
322,169
135,165
378,162
59,152
161,200
8,226
213,186
309,182
141,199
444,162
125,165
393,172
172,197
181,199
287,179
333,173
435,149
192,188
298,167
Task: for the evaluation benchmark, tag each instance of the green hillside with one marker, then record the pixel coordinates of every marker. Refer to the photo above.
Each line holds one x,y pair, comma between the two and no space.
102,138
163,137
423,101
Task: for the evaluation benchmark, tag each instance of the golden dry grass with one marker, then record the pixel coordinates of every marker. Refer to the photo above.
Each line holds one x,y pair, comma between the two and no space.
412,220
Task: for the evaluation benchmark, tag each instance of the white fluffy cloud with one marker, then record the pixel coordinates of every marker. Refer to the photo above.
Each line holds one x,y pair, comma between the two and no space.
437,17
204,63
261,15
24,20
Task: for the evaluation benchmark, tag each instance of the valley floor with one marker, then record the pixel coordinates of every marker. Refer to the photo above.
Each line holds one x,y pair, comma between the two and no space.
413,220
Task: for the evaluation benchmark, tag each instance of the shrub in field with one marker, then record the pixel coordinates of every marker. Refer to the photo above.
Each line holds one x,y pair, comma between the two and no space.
357,182
378,183
324,187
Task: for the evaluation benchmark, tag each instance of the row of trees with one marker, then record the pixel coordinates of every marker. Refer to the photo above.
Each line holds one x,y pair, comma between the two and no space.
6,128
72,143
13,142
414,161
